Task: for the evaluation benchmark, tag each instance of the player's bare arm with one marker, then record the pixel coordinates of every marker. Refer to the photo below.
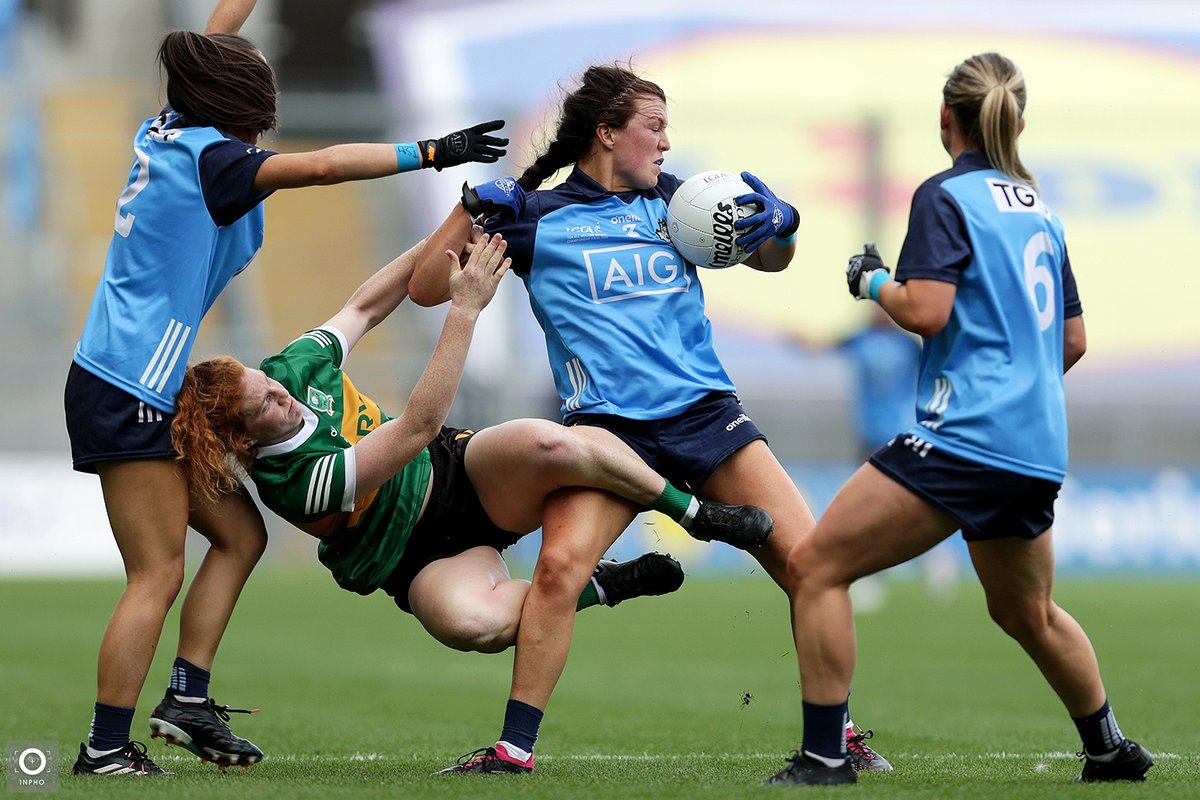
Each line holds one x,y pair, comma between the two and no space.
335,164
361,161
383,452
920,306
229,16
377,298
430,282
1074,341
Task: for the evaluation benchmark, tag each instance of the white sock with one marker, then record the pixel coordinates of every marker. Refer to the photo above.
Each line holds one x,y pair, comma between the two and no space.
94,753
689,515
829,762
514,752
599,594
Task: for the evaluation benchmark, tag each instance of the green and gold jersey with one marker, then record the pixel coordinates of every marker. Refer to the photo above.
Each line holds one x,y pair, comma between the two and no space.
310,478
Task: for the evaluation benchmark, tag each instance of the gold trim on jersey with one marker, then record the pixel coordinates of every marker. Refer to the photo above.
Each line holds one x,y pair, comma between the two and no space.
360,416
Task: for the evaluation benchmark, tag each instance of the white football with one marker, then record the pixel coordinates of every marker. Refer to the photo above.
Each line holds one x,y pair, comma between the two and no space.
700,219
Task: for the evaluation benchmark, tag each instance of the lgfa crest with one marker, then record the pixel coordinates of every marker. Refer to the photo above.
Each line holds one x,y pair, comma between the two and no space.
319,401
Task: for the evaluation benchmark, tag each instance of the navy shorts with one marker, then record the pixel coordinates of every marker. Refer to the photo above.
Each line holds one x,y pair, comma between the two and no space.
453,520
687,448
109,424
988,503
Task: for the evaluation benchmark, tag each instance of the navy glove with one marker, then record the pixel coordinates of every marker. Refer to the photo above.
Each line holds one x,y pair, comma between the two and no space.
503,196
776,218
863,269
471,144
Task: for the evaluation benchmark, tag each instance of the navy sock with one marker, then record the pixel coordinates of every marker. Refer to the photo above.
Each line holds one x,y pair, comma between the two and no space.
1099,731
521,723
825,730
110,727
188,680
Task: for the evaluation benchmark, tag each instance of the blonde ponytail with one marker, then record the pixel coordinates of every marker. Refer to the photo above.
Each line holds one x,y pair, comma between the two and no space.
986,93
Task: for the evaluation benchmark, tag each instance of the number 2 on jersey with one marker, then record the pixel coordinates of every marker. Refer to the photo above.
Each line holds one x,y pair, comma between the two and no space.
124,222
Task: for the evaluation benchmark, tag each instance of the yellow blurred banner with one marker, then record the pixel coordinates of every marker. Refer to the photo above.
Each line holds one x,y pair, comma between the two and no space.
1111,135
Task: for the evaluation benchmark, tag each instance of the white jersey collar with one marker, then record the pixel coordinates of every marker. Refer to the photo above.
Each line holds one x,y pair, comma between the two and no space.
300,437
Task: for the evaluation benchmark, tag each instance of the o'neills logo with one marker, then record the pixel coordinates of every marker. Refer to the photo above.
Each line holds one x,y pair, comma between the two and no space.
741,418
723,233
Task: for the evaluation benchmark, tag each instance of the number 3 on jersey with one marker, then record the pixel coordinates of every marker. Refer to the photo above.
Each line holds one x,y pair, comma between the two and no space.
1037,274
124,222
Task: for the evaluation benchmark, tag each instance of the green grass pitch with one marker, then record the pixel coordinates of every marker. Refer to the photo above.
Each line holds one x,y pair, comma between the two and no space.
689,696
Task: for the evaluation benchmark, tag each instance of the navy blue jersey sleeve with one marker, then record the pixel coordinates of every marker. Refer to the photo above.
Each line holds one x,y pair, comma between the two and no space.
1071,305
668,184
519,233
227,171
937,246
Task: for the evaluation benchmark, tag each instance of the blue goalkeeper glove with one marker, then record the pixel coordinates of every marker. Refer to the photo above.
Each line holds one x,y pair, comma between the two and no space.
503,196
775,218
866,273
469,144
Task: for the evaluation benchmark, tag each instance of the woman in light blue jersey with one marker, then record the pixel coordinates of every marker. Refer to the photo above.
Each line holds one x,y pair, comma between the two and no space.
188,220
984,278
632,354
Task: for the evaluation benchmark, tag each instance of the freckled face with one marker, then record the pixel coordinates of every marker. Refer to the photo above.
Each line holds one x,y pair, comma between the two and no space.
271,414
639,147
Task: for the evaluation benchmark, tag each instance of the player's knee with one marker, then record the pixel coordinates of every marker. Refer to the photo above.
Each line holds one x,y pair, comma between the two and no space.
159,583
801,567
557,447
1022,621
482,630
559,573
251,545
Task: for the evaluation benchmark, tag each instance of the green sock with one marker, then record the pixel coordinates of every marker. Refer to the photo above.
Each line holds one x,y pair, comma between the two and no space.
679,506
589,597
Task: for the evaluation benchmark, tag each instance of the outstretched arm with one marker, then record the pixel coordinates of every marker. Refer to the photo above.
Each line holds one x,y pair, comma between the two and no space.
377,298
355,162
229,16
384,452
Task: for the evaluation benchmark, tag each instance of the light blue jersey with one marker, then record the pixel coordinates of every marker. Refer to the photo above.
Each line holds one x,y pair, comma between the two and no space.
622,311
990,388
885,361
169,258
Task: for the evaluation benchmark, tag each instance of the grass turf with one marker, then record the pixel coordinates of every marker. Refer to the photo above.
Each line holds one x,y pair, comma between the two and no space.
689,696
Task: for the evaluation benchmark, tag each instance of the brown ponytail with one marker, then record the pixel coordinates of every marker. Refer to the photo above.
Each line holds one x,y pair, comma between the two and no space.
607,95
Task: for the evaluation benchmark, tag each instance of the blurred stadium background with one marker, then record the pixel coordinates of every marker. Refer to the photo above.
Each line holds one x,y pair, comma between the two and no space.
833,105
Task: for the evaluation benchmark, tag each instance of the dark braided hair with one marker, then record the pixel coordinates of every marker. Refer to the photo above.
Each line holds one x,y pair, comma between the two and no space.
607,95
219,79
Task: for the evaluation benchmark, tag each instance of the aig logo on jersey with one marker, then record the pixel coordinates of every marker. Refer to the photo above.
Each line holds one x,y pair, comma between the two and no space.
319,401
634,270
1015,198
